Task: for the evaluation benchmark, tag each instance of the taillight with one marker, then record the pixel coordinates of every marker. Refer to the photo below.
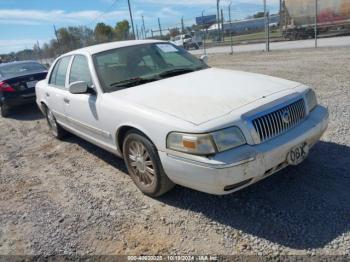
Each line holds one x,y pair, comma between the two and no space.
5,87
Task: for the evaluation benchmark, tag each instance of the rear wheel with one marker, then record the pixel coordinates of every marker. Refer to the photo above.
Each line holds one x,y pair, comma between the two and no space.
144,166
55,129
4,110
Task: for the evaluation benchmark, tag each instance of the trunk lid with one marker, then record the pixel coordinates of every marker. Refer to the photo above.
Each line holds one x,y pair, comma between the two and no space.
24,85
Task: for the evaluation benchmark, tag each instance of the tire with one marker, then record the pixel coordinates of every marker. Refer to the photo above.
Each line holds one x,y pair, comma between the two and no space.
4,110
144,166
55,129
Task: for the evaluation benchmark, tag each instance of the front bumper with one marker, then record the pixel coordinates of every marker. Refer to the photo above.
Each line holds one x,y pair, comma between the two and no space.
240,167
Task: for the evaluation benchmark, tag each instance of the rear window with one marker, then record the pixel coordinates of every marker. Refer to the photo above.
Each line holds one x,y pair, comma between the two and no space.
58,75
17,69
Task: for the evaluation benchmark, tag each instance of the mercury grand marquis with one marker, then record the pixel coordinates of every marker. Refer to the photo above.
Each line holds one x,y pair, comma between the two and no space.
176,120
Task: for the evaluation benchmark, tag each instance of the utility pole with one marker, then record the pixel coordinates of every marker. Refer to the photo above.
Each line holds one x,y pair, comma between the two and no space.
182,25
142,33
282,14
204,33
132,21
229,17
316,11
137,32
218,16
152,33
222,26
144,28
39,50
160,28
58,42
280,11
267,29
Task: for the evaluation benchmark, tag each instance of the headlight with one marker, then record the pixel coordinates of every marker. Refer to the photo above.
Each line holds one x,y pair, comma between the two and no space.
206,144
228,138
191,143
311,99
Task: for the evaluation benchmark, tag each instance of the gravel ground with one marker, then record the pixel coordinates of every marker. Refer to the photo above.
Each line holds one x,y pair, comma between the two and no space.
71,197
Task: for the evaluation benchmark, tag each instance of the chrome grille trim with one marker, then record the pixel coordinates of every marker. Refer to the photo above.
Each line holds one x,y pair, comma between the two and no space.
275,123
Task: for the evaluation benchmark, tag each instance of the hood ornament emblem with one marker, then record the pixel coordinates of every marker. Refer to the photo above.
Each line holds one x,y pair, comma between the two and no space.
286,117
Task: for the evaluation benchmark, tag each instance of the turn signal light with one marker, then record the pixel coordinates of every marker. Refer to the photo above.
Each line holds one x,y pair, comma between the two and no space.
189,144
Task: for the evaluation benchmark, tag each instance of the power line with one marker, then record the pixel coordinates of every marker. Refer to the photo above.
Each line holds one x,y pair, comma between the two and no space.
103,13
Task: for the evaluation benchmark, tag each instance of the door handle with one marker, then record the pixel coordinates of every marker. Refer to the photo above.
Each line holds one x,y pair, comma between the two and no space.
47,94
66,100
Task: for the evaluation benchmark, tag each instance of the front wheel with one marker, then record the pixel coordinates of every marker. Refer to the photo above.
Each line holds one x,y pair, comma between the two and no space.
144,166
55,129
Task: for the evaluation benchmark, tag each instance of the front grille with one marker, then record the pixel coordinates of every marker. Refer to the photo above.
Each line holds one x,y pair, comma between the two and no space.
279,121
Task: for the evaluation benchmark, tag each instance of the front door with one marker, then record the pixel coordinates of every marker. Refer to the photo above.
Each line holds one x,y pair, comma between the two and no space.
82,110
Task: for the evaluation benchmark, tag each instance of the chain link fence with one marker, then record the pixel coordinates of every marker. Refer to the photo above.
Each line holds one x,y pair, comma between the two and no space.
206,31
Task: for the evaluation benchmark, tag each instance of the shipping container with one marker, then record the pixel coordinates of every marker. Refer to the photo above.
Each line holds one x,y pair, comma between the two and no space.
299,17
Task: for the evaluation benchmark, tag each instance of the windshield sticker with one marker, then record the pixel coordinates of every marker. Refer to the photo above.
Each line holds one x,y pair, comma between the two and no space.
166,48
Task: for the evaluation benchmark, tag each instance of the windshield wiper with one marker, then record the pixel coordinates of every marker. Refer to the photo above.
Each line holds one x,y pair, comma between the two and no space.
133,82
140,80
178,71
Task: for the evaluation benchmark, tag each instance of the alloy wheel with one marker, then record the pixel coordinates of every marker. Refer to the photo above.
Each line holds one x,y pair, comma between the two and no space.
52,122
141,163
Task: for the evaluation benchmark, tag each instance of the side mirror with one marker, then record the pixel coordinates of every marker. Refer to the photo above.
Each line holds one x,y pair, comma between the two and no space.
79,87
204,58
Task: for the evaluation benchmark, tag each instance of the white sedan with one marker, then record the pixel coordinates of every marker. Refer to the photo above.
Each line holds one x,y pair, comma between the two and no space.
175,120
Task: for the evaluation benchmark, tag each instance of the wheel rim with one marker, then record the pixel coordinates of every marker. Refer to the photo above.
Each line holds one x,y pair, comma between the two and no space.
141,163
52,122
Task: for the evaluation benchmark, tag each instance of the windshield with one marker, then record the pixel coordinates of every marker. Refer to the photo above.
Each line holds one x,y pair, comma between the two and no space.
118,68
20,69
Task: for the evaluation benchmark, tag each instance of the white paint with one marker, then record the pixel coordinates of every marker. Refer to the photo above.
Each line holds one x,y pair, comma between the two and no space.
197,102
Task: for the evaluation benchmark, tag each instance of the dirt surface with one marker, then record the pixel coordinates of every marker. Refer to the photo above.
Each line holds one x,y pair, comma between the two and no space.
71,197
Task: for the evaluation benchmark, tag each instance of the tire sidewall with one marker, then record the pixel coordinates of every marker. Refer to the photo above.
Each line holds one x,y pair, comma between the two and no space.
48,111
155,187
60,132
4,110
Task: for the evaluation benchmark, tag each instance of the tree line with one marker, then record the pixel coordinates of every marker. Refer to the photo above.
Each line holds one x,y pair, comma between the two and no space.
71,38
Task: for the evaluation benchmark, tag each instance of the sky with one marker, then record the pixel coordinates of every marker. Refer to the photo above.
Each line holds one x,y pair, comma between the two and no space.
24,22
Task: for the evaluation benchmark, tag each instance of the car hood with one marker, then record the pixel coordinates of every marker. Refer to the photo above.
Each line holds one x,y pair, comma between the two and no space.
204,95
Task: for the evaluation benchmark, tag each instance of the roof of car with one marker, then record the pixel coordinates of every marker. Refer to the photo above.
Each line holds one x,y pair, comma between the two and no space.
18,62
112,45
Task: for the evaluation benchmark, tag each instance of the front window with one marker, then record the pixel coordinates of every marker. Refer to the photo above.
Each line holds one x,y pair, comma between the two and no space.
129,66
80,70
58,75
16,69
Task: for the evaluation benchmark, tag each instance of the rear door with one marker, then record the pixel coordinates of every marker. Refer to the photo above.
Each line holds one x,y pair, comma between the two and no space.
83,109
57,89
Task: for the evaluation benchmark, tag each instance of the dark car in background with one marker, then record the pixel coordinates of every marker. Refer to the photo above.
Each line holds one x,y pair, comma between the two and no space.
17,84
